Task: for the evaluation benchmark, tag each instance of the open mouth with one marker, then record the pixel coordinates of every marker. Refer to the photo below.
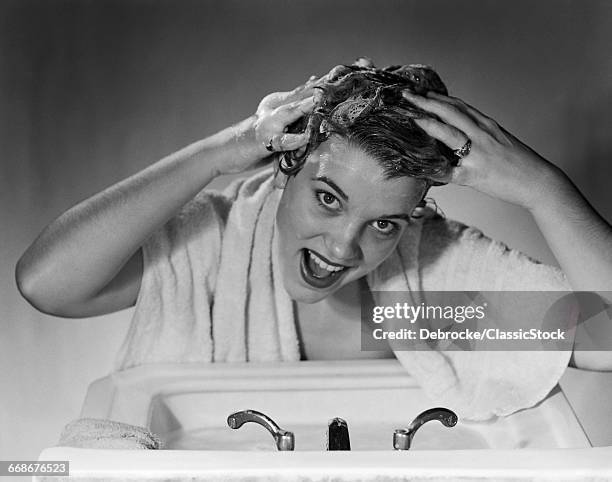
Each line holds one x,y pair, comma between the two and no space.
318,271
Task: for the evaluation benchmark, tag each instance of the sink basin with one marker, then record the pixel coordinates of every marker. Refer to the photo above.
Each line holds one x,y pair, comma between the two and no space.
187,405
375,398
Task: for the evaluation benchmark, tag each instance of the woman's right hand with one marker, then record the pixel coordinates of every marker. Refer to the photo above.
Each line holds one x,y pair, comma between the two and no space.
274,114
267,127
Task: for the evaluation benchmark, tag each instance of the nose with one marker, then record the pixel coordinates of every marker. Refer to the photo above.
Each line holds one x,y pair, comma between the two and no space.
343,244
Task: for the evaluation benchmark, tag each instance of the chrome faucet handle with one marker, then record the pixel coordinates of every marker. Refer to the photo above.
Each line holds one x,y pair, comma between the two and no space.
338,435
402,438
284,439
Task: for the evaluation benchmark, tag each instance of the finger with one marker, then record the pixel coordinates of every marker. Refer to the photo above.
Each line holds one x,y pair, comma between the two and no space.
449,135
314,80
459,175
305,89
288,142
456,175
277,99
291,112
478,116
298,94
447,112
290,96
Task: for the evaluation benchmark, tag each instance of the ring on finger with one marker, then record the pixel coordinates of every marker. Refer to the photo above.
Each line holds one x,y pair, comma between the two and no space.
463,151
269,145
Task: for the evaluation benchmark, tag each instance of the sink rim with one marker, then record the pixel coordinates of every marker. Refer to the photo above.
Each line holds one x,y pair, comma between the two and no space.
560,463
131,395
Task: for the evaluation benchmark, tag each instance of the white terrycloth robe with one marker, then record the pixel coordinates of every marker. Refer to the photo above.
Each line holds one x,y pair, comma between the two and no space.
212,292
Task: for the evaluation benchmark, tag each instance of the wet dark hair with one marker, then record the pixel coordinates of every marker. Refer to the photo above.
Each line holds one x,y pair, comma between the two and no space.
365,105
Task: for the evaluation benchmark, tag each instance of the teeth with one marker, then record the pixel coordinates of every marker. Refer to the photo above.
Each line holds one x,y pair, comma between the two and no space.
323,264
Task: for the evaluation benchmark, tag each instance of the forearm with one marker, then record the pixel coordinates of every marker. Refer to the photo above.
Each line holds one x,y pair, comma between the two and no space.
581,240
80,252
578,236
500,165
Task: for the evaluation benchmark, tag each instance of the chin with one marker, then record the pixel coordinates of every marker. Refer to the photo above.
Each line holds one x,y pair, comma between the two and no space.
306,295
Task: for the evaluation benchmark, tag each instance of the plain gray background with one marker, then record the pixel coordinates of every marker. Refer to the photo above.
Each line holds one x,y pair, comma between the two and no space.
93,91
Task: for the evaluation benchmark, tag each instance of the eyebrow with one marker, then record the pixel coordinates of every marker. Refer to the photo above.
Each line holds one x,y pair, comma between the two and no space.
333,185
405,217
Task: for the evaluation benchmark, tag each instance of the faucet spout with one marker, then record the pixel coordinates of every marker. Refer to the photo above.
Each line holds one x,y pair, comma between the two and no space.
284,439
338,435
402,438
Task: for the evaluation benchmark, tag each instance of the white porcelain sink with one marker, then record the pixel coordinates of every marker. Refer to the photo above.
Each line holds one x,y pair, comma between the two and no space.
188,405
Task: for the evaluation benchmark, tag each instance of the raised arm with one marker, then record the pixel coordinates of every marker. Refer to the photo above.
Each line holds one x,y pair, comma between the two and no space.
501,166
88,261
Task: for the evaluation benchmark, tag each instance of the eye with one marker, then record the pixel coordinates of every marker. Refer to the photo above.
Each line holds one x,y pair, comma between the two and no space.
385,227
327,199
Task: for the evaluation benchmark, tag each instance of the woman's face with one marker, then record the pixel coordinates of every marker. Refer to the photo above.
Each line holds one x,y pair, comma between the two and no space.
339,218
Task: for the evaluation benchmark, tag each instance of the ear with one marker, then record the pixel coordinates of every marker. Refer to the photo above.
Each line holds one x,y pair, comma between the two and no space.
419,210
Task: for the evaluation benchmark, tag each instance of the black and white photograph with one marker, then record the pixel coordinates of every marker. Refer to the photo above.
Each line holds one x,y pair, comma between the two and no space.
313,240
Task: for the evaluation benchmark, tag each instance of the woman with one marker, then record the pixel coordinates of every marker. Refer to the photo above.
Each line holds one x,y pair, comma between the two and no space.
357,151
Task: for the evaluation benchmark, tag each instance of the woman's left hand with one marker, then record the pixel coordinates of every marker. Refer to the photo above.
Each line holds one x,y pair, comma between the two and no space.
498,164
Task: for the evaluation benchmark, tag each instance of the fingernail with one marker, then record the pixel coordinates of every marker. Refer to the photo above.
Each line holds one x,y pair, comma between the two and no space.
407,93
